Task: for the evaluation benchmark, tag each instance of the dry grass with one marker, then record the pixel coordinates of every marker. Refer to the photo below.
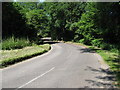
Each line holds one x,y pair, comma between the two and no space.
12,56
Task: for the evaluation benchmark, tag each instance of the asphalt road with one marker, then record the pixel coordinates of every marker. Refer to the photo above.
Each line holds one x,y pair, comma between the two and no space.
64,66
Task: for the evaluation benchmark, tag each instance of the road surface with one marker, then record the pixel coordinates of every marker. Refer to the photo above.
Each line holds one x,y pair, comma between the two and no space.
64,66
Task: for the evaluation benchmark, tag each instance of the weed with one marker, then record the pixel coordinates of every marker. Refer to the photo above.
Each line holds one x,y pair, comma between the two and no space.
14,43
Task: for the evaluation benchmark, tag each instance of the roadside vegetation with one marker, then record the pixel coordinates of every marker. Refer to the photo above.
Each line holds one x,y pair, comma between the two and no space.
92,23
15,43
111,57
13,56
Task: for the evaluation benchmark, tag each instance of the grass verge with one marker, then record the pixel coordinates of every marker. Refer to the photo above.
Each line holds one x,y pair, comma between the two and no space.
14,43
111,57
10,57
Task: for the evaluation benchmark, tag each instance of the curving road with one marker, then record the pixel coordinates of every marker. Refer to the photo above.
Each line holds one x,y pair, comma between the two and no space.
64,66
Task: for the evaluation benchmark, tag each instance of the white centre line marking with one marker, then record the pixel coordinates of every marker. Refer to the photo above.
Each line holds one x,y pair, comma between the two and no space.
35,78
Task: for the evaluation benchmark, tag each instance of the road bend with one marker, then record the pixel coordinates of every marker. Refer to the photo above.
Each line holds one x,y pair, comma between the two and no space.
64,66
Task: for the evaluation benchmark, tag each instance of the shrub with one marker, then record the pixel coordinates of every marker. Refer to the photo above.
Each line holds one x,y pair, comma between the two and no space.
14,43
96,42
82,40
85,41
107,46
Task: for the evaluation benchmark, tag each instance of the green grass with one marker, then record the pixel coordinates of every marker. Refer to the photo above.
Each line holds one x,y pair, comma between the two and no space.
111,57
13,56
14,43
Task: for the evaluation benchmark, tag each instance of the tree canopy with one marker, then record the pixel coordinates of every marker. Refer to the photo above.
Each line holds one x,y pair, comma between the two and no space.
93,23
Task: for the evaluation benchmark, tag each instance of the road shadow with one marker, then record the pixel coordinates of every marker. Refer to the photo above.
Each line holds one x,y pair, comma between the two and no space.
87,50
115,65
50,42
104,79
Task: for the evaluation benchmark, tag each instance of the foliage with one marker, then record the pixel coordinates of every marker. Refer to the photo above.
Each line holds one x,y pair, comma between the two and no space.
24,20
37,19
108,21
97,42
91,23
86,27
99,25
61,16
12,19
14,43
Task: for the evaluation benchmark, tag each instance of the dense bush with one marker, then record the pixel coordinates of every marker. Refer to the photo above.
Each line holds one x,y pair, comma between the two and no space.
99,25
97,42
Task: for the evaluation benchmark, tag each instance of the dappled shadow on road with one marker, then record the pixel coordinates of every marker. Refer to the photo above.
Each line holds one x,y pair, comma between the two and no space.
50,42
104,79
87,50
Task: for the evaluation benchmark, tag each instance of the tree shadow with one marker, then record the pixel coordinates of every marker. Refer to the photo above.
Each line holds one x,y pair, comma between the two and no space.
50,42
105,79
115,66
88,50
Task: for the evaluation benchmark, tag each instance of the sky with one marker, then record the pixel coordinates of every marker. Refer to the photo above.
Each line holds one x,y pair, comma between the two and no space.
41,0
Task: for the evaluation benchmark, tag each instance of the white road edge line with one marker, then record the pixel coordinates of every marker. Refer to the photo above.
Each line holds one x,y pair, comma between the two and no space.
35,78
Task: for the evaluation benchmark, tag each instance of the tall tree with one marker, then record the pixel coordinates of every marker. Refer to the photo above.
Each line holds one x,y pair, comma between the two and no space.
12,19
109,21
61,16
